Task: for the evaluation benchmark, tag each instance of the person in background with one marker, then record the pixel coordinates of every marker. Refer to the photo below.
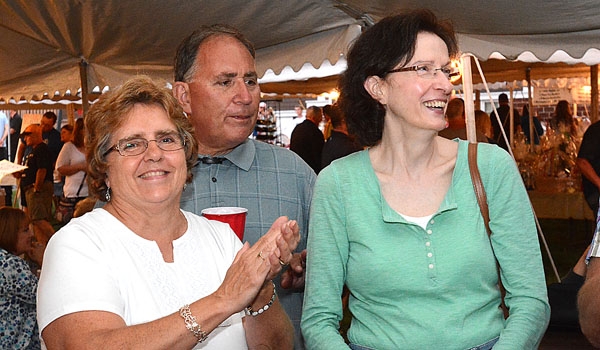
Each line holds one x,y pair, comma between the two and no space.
562,295
588,303
588,162
18,326
538,129
71,164
4,132
66,133
327,121
339,144
217,85
504,113
15,129
457,123
307,139
36,183
110,279
50,135
562,121
52,138
399,223
483,124
299,113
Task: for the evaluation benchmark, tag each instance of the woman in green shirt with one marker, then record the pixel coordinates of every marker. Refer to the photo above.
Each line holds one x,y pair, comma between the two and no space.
399,223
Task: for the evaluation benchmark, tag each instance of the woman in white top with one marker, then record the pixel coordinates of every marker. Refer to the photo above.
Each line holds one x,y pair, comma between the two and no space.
72,165
142,273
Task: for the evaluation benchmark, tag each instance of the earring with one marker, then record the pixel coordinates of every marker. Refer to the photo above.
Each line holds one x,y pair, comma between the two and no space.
184,186
107,195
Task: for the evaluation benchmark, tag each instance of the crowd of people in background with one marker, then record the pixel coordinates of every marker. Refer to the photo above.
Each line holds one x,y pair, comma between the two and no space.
373,199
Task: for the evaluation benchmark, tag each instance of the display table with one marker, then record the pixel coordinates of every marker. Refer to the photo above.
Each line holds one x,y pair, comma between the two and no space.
560,205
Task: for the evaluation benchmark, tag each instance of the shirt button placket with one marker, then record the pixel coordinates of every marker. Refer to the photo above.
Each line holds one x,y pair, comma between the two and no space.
428,248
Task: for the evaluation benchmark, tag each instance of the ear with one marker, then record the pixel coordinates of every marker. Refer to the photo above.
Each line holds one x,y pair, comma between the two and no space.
373,85
181,91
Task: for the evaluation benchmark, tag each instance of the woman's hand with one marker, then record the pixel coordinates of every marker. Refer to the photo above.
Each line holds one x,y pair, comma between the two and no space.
244,278
280,241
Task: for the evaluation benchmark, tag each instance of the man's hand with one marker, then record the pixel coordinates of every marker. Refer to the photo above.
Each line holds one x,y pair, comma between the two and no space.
293,277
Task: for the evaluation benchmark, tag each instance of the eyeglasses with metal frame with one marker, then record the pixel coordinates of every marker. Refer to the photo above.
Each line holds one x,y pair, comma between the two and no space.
427,71
129,147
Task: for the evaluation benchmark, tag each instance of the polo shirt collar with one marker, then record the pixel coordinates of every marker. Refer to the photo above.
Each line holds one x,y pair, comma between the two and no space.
242,156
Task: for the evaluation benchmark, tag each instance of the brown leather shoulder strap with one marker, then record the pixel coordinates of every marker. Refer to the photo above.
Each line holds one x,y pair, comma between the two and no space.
478,186
485,213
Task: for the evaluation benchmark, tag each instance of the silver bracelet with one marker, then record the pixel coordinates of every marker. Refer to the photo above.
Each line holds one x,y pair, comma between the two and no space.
250,312
191,324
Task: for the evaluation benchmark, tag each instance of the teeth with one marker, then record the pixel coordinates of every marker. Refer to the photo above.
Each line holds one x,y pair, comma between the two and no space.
435,104
153,173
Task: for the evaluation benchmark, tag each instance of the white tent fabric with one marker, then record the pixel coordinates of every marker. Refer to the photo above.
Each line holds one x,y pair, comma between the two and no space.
43,42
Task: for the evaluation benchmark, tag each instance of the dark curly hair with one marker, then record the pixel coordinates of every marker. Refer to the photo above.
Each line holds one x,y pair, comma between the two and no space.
380,48
109,113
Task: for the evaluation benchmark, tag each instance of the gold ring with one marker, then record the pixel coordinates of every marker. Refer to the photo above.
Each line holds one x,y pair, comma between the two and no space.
282,263
261,256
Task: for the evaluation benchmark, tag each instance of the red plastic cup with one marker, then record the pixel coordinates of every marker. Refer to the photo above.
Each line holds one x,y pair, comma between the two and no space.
234,216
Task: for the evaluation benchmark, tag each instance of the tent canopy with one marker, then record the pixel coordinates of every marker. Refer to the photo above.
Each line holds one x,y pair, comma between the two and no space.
44,42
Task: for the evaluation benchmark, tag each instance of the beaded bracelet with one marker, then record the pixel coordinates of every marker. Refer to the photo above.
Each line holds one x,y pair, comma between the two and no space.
191,324
252,313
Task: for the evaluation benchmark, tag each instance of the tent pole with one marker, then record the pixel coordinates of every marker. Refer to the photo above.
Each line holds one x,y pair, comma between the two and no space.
83,68
511,115
594,84
530,108
71,113
467,79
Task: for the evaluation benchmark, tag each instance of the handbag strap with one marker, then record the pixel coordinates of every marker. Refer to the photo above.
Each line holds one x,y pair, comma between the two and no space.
485,212
478,187
81,184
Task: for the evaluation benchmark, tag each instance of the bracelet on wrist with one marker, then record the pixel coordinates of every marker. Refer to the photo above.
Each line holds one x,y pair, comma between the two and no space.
250,312
191,324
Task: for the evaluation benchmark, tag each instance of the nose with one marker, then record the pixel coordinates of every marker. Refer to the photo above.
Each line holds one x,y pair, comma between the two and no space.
243,93
153,152
442,82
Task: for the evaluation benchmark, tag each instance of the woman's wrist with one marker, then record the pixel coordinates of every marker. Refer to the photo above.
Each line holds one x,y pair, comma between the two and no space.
263,301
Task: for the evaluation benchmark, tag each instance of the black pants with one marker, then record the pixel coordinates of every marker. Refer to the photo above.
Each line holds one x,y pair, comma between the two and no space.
563,301
7,189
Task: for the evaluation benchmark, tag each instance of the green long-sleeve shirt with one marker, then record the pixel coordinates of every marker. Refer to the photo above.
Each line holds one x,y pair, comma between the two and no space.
423,289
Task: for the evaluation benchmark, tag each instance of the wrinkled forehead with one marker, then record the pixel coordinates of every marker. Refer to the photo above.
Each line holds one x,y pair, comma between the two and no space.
224,55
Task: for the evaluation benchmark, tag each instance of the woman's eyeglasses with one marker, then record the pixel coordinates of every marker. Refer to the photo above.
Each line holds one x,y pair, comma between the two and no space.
136,146
427,71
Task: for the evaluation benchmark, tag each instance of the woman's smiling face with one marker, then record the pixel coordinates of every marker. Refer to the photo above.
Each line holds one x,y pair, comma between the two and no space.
155,175
415,100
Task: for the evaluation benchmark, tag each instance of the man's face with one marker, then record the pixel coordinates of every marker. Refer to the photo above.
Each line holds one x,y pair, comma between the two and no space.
222,98
32,135
47,124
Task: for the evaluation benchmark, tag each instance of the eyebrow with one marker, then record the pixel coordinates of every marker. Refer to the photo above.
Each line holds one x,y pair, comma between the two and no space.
428,62
235,75
159,133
